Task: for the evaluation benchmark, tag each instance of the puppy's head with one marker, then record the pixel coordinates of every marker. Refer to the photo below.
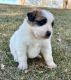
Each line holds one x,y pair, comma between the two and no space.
42,22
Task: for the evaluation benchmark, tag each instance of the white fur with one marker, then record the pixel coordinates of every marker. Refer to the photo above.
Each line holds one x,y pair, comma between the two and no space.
27,42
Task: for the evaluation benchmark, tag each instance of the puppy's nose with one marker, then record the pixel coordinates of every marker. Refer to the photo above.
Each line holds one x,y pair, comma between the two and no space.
48,33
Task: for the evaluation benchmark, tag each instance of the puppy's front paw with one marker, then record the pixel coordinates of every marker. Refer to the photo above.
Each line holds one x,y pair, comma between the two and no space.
22,66
52,65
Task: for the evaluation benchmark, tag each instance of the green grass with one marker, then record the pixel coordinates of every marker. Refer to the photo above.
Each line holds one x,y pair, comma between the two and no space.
10,19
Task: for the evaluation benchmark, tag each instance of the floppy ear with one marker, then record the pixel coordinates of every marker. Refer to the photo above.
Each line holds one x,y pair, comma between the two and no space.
31,16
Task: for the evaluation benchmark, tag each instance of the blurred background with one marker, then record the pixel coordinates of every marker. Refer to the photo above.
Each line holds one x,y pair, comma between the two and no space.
40,3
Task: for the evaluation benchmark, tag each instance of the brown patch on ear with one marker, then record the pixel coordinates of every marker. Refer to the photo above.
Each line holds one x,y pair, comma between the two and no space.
37,13
35,10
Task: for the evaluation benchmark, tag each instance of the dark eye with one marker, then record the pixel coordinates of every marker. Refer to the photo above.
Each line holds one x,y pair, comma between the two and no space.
52,23
41,22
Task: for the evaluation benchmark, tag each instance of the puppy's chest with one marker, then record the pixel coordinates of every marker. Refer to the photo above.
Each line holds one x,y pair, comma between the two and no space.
35,43
34,49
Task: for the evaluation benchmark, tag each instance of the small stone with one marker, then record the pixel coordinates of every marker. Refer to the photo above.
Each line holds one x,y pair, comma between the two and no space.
2,66
40,72
26,71
65,70
4,35
59,39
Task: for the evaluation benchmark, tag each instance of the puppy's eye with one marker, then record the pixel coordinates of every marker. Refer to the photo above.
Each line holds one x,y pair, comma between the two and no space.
52,23
41,22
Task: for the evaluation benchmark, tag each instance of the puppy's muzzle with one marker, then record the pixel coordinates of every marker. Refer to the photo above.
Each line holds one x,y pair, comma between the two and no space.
47,35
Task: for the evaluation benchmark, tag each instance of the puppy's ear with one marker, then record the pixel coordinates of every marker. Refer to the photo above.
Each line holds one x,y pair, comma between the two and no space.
31,16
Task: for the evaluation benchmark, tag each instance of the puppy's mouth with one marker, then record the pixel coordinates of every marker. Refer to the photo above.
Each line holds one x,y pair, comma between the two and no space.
46,37
41,37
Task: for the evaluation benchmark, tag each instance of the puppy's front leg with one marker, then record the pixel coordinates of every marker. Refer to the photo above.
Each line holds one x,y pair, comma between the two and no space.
47,54
22,58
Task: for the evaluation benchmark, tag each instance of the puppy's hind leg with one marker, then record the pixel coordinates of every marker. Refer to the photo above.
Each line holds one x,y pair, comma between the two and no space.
13,52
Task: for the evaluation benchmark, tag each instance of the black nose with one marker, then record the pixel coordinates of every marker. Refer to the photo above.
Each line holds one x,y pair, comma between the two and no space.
48,33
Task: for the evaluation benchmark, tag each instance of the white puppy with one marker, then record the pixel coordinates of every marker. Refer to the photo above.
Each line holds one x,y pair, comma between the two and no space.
33,37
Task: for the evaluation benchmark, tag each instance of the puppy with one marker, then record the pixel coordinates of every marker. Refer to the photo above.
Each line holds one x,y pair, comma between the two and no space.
33,37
